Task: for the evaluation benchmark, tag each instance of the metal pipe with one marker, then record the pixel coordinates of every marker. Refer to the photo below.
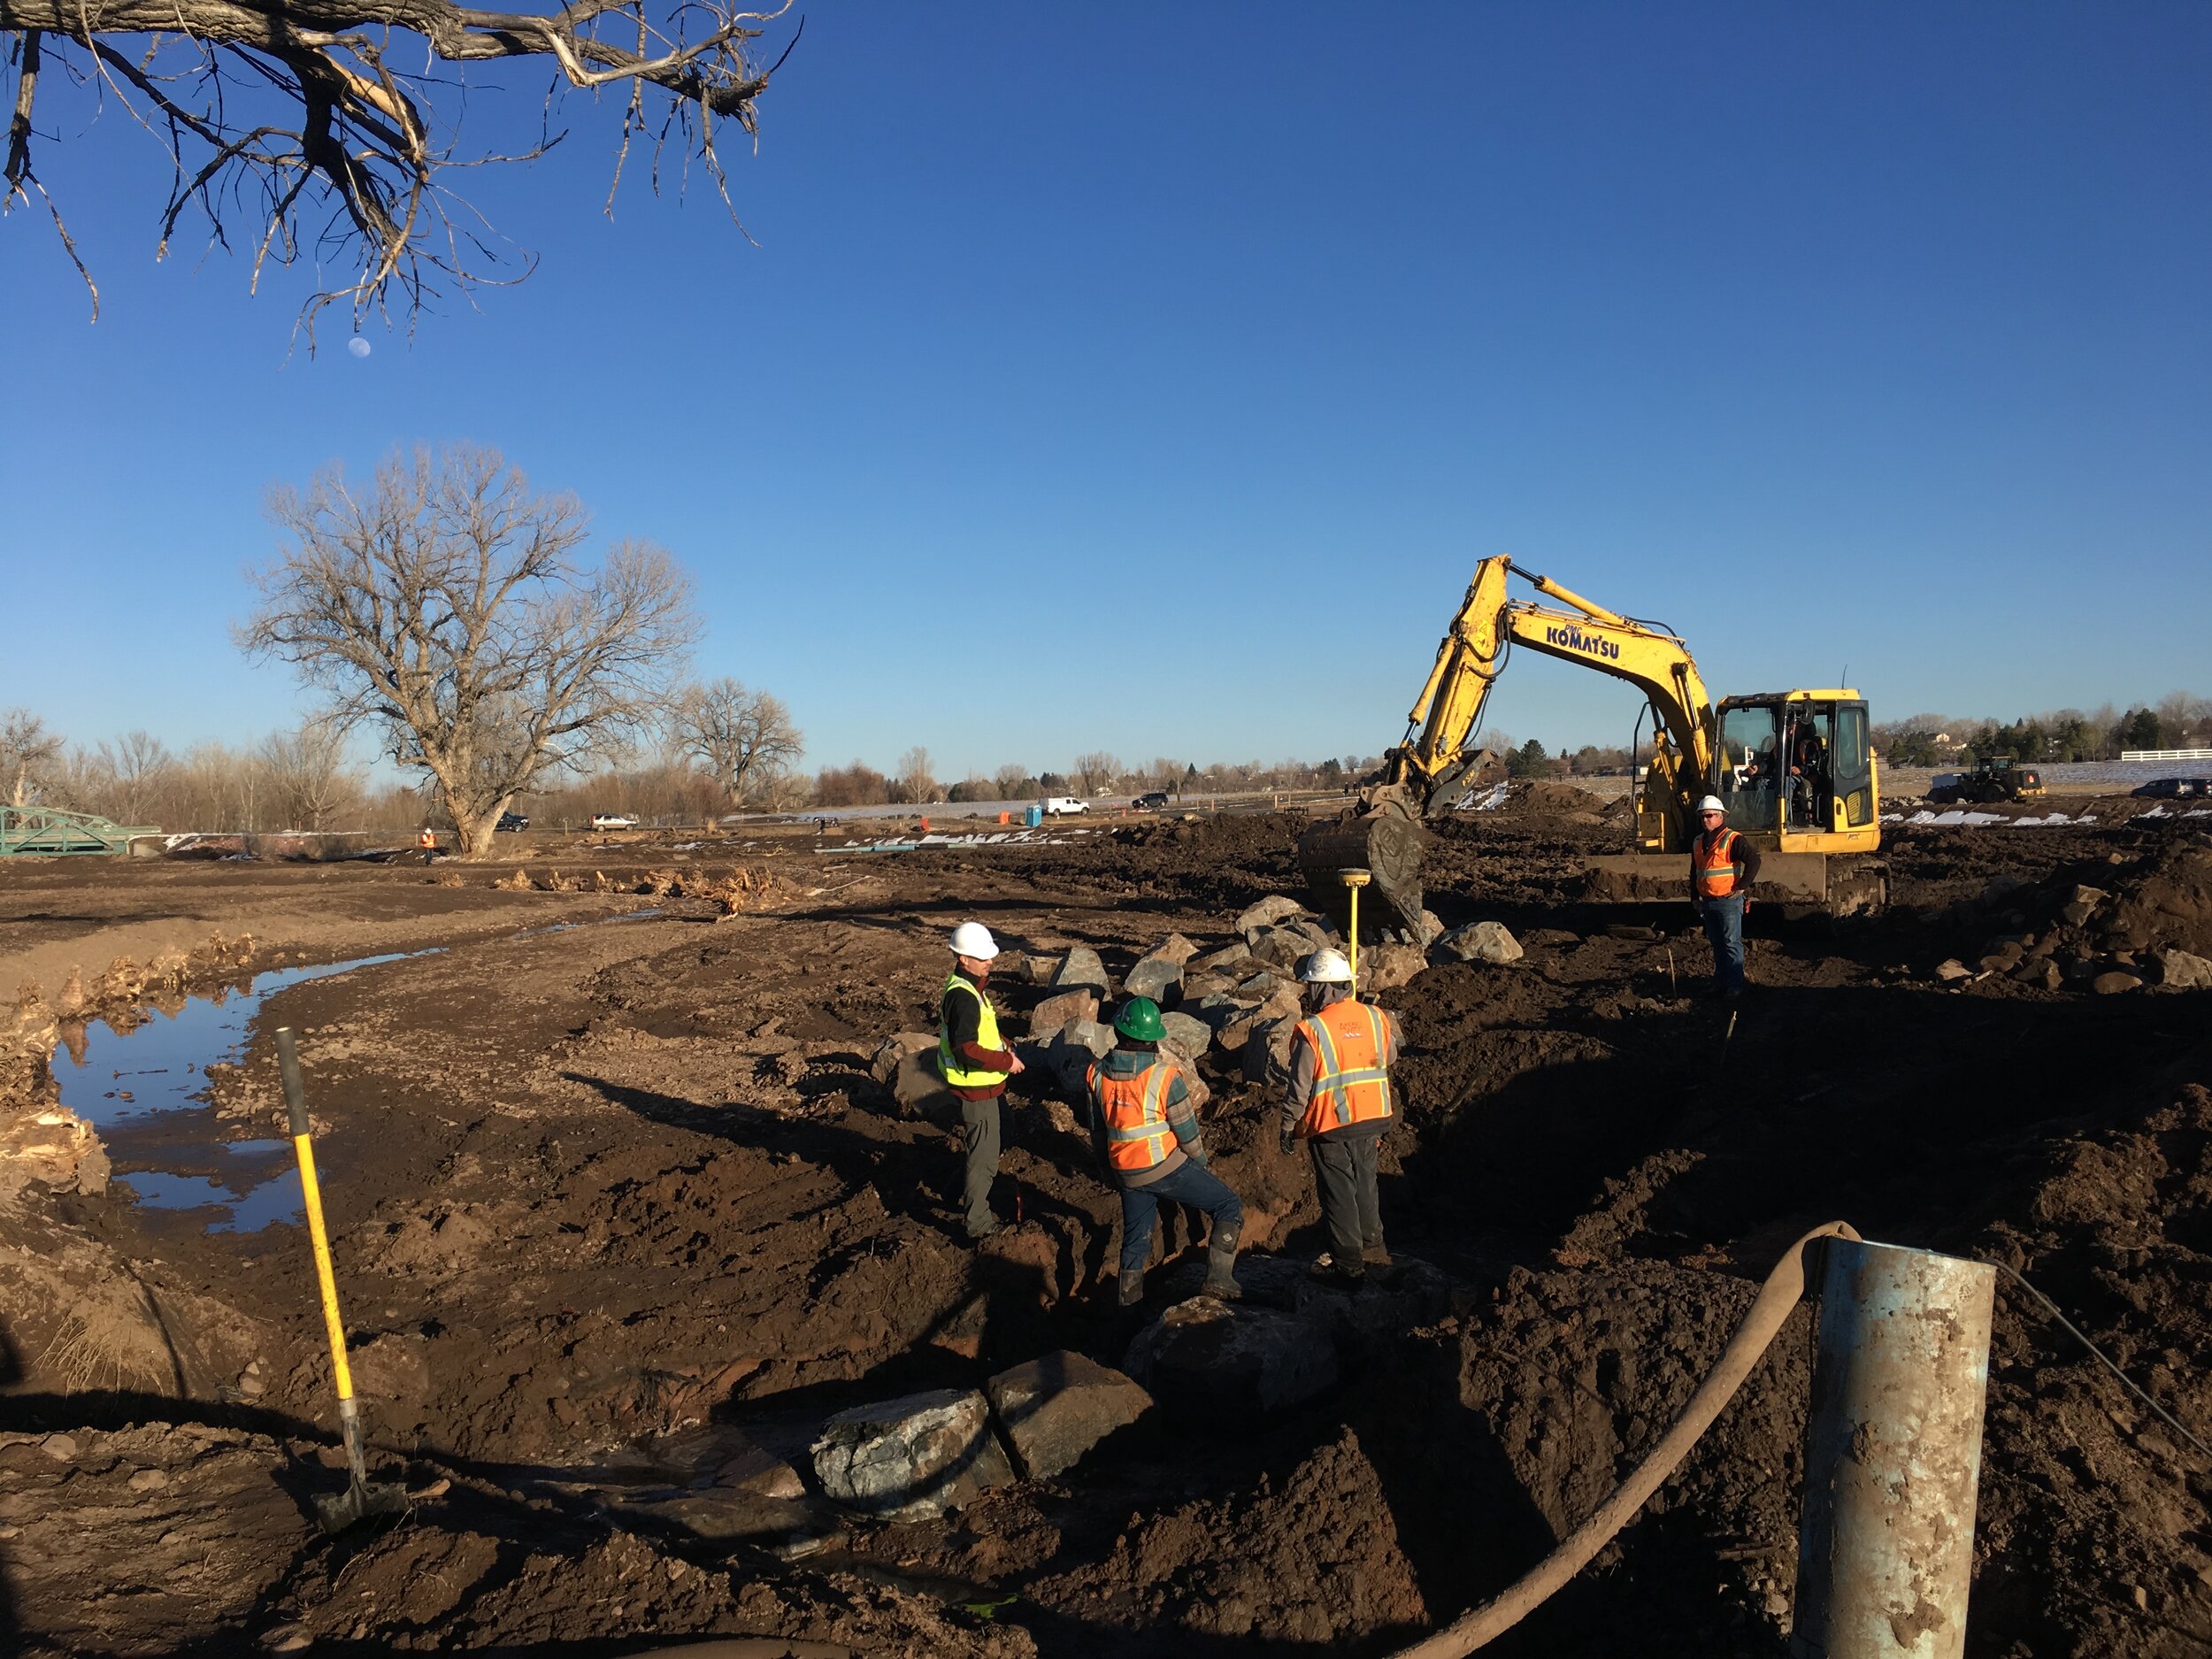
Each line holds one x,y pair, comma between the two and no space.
1893,1452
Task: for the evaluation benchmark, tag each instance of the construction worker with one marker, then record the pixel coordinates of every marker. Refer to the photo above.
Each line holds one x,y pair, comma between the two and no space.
1339,1102
1723,866
975,1063
1141,1122
428,841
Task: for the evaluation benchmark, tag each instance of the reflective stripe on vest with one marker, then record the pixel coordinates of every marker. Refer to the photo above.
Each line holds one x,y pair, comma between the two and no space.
955,1069
1350,1084
1712,857
1134,1109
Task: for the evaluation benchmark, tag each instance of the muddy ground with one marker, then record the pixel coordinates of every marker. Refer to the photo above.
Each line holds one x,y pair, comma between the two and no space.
620,1215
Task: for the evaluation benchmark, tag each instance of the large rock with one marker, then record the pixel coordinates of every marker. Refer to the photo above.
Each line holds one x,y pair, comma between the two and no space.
2183,972
1198,987
1280,946
1055,1011
1174,948
1431,929
1261,986
2081,905
914,1457
1081,970
1481,941
2114,982
1386,967
1193,1036
1283,1004
894,1049
1153,976
1224,961
1054,1409
1232,1359
1266,913
920,1089
1074,1046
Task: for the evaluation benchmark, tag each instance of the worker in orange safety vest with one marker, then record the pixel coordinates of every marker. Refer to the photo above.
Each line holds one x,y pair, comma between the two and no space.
1723,866
1338,1103
1141,1122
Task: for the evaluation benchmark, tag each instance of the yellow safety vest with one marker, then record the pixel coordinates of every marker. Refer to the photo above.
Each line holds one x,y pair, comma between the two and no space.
952,1065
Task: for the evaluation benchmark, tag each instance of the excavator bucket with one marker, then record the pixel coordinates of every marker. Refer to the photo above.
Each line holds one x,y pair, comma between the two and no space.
1386,844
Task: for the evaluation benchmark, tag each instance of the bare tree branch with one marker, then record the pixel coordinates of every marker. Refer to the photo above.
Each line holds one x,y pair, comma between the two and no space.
741,738
321,116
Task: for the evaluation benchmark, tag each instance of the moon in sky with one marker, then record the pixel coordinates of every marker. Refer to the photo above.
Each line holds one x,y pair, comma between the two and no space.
357,346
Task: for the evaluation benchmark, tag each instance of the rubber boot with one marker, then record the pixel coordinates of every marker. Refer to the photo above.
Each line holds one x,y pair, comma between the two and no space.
1221,1261
1132,1285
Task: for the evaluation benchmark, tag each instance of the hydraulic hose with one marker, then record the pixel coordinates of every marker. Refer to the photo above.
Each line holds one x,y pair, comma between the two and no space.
1780,1293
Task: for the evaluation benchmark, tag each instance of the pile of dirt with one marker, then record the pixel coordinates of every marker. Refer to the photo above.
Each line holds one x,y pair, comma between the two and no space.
1556,799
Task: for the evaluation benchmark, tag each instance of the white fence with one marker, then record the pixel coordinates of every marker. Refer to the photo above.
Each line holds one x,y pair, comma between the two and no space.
2166,754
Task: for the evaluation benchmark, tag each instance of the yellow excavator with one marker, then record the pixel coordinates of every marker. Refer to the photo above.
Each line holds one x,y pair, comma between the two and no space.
1794,769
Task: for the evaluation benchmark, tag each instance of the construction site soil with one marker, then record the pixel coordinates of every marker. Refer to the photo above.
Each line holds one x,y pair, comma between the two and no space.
617,1207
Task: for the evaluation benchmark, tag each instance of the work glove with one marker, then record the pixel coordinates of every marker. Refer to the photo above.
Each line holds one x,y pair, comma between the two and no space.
1286,1141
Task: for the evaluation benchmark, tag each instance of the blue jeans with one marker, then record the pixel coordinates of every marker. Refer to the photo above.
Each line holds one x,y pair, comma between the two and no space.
1190,1184
1723,926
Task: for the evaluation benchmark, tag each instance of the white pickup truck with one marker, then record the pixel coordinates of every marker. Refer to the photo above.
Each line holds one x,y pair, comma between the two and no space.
1055,805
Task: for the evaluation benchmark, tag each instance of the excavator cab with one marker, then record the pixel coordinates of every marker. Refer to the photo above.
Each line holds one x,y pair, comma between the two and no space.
1797,765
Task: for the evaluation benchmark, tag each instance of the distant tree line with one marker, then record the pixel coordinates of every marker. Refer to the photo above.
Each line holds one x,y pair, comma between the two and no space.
2179,721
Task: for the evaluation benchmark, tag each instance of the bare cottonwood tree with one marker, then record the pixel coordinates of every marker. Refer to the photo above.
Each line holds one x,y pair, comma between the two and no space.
309,774
917,781
446,606
1097,770
305,130
26,749
740,738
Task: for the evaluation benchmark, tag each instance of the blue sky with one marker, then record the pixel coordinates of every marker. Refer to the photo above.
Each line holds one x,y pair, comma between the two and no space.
1150,379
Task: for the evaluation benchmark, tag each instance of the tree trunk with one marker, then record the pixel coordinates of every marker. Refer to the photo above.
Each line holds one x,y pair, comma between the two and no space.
473,831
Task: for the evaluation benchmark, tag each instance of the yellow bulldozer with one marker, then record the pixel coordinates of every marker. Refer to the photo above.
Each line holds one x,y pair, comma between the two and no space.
1794,769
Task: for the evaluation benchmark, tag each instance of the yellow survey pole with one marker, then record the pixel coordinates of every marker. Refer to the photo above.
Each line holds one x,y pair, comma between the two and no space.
1355,879
360,1497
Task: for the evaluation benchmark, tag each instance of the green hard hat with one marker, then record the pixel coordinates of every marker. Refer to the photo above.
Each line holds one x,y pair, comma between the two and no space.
1140,1018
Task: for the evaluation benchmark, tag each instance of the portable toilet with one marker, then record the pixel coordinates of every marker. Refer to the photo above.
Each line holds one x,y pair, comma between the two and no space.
1034,816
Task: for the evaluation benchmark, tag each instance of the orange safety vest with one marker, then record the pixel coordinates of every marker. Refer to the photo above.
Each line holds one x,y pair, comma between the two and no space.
1713,861
428,838
1137,1136
1350,1085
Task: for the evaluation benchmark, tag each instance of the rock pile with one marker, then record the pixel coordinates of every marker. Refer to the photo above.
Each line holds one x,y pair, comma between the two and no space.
2148,926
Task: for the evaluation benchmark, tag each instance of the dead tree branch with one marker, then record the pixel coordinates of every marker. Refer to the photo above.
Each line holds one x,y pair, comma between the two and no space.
268,108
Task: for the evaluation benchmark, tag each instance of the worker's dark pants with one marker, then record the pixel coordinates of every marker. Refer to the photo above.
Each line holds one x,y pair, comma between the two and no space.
1723,926
1189,1185
1344,1171
980,1135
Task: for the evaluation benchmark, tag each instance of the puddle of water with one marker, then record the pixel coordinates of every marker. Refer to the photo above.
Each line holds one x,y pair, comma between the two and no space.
258,1206
141,1088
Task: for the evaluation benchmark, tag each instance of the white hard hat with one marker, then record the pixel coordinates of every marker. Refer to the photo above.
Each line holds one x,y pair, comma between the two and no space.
1711,803
1325,967
973,940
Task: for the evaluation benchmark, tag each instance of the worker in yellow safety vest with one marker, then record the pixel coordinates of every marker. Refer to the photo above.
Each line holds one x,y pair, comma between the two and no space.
1147,1135
1339,1104
1723,866
975,1063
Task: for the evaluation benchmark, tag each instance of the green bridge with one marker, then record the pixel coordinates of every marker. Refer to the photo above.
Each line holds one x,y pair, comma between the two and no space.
37,829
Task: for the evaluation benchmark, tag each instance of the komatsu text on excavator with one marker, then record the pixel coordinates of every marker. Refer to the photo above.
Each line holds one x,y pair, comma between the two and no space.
1795,768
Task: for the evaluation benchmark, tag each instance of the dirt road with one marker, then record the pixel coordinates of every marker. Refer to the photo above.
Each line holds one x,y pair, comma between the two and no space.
621,1214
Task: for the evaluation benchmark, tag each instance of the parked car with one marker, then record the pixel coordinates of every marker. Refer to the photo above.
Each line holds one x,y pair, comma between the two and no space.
512,821
1055,805
2176,789
1157,802
612,820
